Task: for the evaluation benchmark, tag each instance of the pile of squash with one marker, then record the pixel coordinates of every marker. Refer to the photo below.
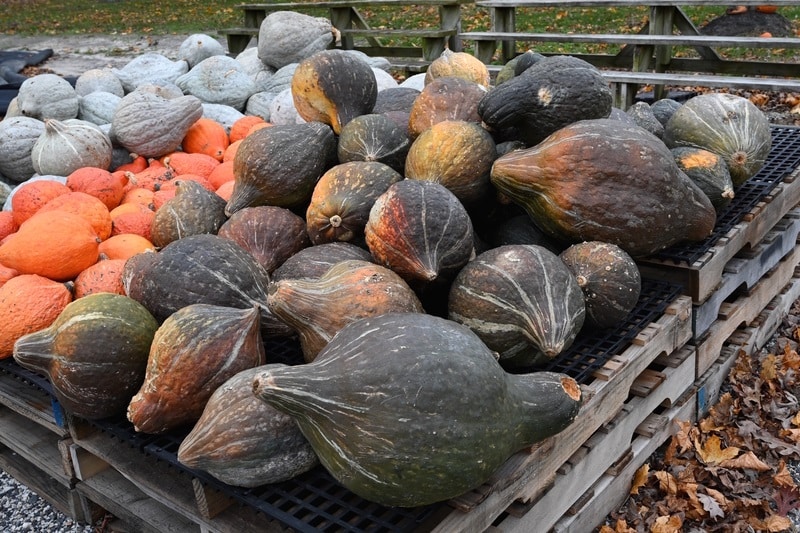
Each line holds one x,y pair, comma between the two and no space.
429,245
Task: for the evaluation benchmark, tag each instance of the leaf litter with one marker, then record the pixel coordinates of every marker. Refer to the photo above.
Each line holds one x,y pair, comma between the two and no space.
735,469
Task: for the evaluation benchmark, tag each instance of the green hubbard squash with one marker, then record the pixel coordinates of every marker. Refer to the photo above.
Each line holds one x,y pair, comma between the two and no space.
244,441
522,301
429,412
709,171
192,211
609,278
376,138
603,180
314,261
94,354
726,124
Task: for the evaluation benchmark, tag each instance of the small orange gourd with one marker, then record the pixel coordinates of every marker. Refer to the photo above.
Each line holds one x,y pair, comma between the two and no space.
106,186
84,205
225,190
241,127
54,244
221,174
150,178
125,246
138,195
230,151
6,274
28,303
7,224
206,136
186,163
32,195
103,276
135,222
137,164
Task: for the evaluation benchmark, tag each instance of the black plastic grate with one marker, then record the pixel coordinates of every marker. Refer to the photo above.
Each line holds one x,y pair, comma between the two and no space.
783,159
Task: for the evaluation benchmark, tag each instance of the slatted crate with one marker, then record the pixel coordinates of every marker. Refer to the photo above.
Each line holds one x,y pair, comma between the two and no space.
742,309
661,386
34,442
759,204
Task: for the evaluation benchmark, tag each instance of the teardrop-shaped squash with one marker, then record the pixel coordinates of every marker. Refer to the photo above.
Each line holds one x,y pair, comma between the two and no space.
460,65
348,291
194,351
373,138
408,367
342,198
603,180
94,353
243,441
521,300
193,210
456,154
447,98
69,145
708,171
333,87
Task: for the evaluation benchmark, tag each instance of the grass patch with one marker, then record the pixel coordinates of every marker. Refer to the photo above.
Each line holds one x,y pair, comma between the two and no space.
69,17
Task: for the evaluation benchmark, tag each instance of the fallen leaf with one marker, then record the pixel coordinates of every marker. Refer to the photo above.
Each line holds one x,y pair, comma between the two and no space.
711,506
775,524
792,434
667,524
783,478
712,453
666,482
786,500
640,478
746,460
683,436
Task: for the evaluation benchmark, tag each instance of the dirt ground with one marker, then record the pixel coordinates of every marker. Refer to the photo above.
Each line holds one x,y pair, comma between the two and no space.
74,55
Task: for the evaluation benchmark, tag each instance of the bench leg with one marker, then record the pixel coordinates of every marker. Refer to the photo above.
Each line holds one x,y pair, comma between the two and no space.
432,48
238,43
484,50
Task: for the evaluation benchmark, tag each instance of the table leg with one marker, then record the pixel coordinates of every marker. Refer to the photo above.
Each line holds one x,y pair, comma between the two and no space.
450,18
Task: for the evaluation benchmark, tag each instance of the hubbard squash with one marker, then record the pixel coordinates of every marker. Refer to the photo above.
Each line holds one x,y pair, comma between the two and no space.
314,261
408,367
91,209
460,65
29,303
447,98
606,181
521,300
334,87
94,353
206,136
243,441
348,291
193,210
103,276
609,278
709,171
726,124
376,138
553,92
193,352
30,196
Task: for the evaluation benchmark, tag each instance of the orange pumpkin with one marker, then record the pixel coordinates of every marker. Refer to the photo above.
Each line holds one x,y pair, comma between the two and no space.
163,196
241,127
54,244
124,246
108,187
206,136
103,276
135,222
32,195
85,205
766,8
138,195
225,190
150,178
28,303
7,224
186,163
221,174
138,163
230,151
6,274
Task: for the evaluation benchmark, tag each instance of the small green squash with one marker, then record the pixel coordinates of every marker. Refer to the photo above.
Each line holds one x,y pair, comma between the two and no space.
94,354
244,441
609,278
192,211
522,301
429,412
726,124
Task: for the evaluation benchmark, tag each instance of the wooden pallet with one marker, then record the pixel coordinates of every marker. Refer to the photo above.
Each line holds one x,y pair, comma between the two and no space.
704,276
660,386
613,487
744,310
748,339
747,268
33,403
528,475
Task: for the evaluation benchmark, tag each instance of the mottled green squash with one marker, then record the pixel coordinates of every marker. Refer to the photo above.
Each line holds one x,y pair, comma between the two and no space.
429,413
709,171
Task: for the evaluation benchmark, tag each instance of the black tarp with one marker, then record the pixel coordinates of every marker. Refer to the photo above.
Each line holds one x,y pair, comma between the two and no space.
12,62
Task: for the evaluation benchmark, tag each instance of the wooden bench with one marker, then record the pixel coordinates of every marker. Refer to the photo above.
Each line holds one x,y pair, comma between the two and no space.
650,50
353,26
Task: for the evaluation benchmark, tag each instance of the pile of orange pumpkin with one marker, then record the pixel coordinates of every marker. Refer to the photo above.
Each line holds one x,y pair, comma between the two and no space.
62,241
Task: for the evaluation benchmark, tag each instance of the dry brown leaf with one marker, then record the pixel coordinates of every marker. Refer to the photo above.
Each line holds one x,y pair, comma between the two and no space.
773,524
746,460
640,478
791,359
683,436
796,419
622,527
783,478
712,453
666,482
760,99
791,434
769,368
667,524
